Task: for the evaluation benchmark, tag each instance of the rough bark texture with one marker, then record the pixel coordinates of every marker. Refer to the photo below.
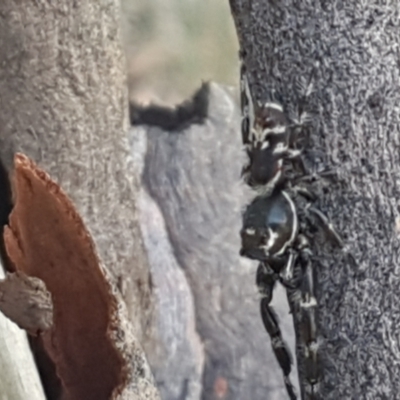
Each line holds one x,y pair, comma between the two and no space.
211,342
350,52
63,99
63,102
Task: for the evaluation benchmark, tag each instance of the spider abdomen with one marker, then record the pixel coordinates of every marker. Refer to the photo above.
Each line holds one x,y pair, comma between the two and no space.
269,226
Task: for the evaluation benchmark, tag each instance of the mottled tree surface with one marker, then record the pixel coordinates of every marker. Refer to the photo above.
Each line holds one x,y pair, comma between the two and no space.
211,341
64,104
349,50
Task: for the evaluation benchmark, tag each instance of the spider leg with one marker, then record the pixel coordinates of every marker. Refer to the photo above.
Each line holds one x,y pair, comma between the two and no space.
332,234
310,175
287,273
324,221
308,325
328,227
245,128
246,104
265,281
294,154
301,165
314,176
305,193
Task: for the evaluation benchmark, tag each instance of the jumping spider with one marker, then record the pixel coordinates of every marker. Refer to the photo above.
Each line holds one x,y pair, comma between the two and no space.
274,231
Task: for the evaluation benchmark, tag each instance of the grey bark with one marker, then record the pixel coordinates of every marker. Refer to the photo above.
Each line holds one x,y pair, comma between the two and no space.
64,104
350,52
211,342
63,99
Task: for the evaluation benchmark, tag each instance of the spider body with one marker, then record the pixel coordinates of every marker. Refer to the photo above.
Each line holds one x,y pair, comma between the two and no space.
264,169
269,226
267,138
272,232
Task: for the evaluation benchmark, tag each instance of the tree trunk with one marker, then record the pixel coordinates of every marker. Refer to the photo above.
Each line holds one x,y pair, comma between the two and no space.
64,104
349,53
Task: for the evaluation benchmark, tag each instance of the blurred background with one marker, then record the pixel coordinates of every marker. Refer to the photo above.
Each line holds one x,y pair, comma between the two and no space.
209,341
173,46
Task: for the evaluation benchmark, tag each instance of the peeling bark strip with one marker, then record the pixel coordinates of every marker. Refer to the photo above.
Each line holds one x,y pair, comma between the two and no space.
47,239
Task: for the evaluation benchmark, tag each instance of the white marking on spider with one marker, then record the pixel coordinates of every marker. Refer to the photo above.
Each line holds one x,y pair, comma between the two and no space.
277,342
313,346
295,225
280,148
312,302
271,240
287,272
293,153
313,388
276,106
265,145
276,130
258,135
261,136
250,231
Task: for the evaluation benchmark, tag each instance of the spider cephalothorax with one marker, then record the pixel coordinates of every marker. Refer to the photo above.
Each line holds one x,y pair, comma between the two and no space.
266,137
270,123
272,233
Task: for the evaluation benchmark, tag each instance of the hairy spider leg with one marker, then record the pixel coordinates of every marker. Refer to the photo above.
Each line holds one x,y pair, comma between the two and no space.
331,232
328,227
310,176
246,105
287,273
266,278
308,325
